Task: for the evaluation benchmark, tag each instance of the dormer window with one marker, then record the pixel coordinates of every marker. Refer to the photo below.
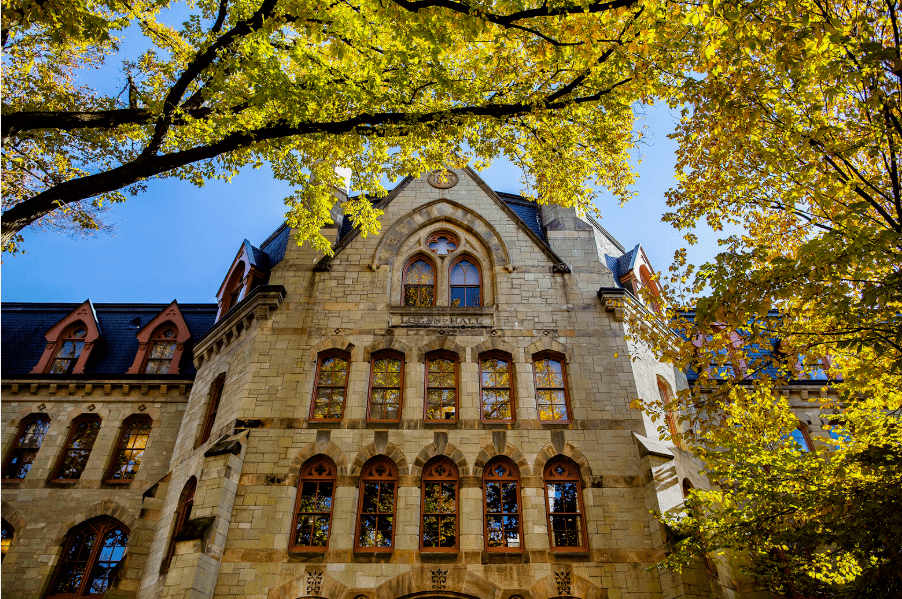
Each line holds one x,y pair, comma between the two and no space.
161,352
161,343
70,350
442,242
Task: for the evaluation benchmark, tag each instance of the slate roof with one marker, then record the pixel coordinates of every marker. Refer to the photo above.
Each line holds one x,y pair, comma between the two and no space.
529,212
274,246
622,264
24,326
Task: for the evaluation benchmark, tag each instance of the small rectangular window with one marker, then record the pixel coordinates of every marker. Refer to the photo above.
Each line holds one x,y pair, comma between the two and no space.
386,384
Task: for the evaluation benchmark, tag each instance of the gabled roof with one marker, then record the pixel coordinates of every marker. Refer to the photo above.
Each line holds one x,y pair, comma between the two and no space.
24,325
621,265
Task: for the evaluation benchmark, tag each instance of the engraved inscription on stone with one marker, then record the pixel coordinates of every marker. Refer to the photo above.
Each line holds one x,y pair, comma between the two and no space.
446,321
442,179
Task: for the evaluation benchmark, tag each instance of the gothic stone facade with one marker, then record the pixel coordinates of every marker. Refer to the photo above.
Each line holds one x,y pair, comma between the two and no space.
550,287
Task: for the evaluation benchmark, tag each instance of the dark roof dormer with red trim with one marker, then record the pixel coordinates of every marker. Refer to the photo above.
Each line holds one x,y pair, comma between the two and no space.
249,269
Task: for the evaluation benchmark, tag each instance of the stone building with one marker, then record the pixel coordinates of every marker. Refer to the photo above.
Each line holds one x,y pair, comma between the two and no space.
441,411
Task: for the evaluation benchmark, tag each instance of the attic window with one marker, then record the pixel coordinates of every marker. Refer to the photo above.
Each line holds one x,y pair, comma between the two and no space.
442,242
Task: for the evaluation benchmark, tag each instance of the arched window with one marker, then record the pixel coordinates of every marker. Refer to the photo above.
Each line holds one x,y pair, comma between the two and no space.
25,448
419,283
89,559
386,385
234,288
212,408
331,386
440,492
496,391
800,435
7,532
162,348
669,417
551,387
313,508
503,525
71,345
181,517
564,504
129,449
376,515
77,450
465,284
441,386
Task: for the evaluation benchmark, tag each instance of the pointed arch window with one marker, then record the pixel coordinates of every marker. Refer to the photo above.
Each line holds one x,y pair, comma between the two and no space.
162,350
77,450
212,408
130,448
419,283
440,506
800,436
502,521
496,390
313,507
441,386
89,560
466,288
331,386
564,505
669,417
7,533
551,387
71,346
386,385
181,517
376,516
28,441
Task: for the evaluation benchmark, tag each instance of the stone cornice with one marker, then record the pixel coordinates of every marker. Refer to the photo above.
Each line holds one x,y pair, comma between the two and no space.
86,385
254,307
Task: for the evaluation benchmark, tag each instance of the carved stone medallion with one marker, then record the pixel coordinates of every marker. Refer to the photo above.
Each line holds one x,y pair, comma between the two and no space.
442,179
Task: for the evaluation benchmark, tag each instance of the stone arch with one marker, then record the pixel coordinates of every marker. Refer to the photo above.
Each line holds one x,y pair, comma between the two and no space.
314,582
391,451
441,342
549,451
490,451
327,448
446,449
333,342
387,342
564,582
549,344
441,210
453,580
494,343
102,508
12,515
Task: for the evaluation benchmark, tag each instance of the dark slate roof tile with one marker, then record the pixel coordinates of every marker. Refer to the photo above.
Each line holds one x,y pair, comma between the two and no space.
276,244
529,212
24,326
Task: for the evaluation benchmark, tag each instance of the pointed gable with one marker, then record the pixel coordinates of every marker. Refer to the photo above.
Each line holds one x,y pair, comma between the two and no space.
81,318
170,315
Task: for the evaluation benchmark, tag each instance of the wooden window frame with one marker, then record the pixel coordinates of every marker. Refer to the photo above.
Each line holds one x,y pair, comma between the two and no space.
381,355
442,354
67,336
562,360
170,316
428,259
548,477
803,428
430,477
308,474
486,479
322,357
182,516
83,316
669,417
56,473
476,264
366,476
214,398
11,454
498,355
102,525
118,449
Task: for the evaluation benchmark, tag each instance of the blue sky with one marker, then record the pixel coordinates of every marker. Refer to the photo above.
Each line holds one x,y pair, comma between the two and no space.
176,241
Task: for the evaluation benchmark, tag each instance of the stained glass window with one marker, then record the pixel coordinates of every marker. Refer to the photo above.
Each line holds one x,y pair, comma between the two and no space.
181,517
130,449
385,387
563,494
331,387
378,486
439,505
551,389
161,351
503,529
419,284
69,352
465,288
495,374
441,387
74,458
313,512
92,552
28,442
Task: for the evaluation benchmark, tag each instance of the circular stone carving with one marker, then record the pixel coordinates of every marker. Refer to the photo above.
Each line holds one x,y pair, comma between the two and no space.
442,180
